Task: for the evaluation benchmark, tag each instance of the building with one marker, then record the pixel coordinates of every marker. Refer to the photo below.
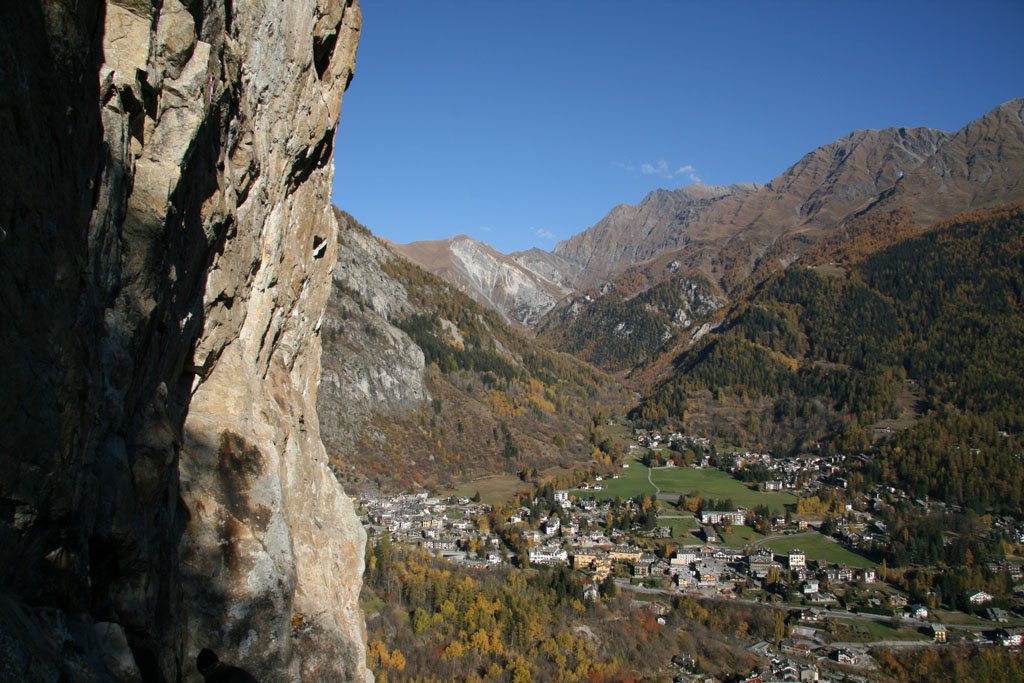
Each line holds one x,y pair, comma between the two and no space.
811,615
708,575
722,517
980,598
840,574
562,498
761,564
797,559
584,558
997,614
625,553
709,533
548,554
939,633
602,568
1012,637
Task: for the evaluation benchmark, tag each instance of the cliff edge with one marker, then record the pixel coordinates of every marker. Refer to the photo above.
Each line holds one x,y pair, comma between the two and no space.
166,246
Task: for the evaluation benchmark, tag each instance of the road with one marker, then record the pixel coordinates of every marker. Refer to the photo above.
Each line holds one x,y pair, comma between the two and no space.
624,584
657,491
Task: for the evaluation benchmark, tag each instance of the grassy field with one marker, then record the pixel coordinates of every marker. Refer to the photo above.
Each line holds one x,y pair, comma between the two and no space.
631,482
830,270
620,435
818,547
682,529
493,490
674,481
947,617
872,631
717,484
739,536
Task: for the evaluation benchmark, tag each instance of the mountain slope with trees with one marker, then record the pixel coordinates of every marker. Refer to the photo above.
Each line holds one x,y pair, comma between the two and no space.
422,386
820,353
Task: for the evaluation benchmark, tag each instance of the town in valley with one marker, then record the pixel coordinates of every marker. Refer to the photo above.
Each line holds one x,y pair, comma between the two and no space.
661,526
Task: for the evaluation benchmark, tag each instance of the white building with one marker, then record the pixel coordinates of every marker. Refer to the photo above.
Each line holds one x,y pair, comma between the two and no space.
722,516
548,554
797,559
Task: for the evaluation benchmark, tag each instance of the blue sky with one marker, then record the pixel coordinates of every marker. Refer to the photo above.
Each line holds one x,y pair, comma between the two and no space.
523,123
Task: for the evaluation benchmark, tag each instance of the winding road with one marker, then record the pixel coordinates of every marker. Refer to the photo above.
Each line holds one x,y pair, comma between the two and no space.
657,491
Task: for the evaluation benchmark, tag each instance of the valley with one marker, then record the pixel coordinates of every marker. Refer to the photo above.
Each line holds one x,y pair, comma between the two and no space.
625,544
794,443
714,433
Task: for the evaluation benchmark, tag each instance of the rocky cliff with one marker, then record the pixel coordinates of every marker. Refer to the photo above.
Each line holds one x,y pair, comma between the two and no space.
370,366
521,286
166,245
424,387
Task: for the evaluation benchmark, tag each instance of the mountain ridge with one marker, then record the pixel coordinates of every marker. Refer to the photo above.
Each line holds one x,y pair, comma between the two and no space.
505,282
731,233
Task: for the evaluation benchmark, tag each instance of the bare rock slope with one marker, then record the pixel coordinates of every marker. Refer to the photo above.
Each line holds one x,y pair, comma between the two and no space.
166,244
522,287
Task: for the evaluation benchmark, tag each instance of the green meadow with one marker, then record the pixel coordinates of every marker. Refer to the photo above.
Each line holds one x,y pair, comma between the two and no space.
818,547
712,483
675,481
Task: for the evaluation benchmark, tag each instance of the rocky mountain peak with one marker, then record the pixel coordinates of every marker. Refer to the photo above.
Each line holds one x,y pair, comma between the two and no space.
631,234
522,287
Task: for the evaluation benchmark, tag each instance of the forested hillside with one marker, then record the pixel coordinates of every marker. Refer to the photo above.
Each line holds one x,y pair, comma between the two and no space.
428,620
423,386
616,331
930,328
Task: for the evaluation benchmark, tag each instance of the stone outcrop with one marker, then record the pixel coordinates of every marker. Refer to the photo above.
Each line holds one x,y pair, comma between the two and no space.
166,245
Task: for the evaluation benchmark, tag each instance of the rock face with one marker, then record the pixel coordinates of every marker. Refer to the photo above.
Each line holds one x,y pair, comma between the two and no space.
166,244
522,287
369,365
617,330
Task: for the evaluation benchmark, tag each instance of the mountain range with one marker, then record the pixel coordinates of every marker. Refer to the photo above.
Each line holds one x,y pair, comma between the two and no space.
729,234
456,351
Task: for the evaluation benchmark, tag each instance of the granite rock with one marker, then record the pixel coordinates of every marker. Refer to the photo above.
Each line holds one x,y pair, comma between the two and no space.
166,254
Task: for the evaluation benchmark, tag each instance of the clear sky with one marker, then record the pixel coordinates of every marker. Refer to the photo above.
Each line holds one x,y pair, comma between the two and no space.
523,123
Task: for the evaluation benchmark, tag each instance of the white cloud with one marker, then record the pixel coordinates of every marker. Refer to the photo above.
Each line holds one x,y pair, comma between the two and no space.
485,228
659,168
662,169
544,234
